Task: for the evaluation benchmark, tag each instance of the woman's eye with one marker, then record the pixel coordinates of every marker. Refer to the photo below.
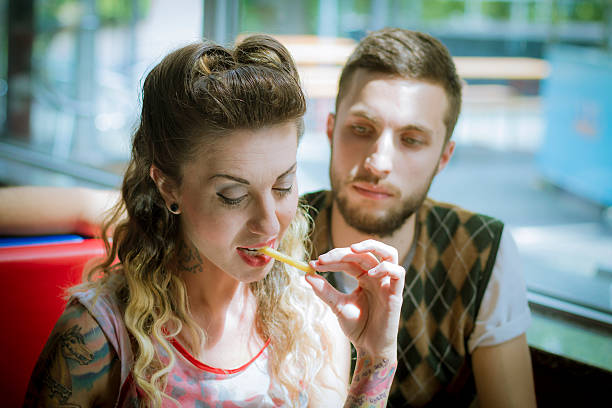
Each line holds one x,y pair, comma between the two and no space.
232,202
282,191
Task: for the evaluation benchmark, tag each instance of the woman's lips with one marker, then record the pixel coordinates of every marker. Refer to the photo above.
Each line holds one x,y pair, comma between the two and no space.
252,258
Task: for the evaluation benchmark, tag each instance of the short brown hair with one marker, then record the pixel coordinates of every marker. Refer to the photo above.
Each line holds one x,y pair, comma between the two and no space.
409,54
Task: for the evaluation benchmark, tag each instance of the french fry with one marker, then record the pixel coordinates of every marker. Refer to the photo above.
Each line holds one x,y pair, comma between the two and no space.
284,258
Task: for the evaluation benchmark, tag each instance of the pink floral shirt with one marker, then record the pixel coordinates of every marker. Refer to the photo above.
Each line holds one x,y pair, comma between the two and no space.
191,383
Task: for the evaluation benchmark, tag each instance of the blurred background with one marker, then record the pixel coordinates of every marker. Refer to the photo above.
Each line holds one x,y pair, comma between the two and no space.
534,140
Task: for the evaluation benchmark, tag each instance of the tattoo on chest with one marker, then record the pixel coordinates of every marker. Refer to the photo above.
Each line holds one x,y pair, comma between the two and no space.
189,258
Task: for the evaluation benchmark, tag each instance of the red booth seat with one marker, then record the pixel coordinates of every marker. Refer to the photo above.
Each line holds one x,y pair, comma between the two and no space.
32,298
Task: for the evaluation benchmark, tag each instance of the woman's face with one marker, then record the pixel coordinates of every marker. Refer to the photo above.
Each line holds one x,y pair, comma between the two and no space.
240,192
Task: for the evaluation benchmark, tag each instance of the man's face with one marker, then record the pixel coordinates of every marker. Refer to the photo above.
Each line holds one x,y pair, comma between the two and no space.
388,142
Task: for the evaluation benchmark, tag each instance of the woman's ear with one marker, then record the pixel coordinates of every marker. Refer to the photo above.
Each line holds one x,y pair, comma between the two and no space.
166,187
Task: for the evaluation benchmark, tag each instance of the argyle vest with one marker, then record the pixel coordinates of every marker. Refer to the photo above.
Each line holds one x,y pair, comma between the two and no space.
447,271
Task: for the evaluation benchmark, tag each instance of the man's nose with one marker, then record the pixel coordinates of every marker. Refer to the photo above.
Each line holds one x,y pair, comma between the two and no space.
379,159
264,220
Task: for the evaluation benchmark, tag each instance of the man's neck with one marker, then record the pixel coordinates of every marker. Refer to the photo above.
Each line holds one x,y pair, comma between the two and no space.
344,235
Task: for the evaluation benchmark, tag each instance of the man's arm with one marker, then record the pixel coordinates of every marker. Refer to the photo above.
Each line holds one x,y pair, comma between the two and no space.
500,354
503,374
53,210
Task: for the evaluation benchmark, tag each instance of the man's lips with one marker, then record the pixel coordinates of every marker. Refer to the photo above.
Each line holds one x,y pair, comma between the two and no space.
372,191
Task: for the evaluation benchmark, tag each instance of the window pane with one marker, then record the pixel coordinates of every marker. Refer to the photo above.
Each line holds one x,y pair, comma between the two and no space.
87,61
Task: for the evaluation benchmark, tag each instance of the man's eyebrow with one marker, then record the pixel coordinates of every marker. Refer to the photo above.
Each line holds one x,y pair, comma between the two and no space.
365,115
418,128
243,181
374,119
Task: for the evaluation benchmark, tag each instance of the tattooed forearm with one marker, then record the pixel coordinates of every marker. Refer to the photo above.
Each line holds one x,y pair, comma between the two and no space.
189,258
371,382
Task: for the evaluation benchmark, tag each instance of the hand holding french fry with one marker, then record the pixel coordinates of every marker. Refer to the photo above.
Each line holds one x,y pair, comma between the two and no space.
369,316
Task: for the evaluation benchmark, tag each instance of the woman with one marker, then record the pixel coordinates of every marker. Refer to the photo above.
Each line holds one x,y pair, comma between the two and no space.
184,311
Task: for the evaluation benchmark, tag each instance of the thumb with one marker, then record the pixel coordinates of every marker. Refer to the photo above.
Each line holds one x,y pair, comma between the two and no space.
325,291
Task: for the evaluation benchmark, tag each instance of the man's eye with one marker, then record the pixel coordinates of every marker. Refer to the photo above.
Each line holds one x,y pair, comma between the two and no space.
360,130
411,141
230,201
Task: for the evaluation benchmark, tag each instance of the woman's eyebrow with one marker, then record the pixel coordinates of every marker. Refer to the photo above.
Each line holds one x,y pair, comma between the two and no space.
227,176
289,170
243,181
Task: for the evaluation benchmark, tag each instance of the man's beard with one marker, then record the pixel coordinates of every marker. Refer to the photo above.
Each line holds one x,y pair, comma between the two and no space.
365,221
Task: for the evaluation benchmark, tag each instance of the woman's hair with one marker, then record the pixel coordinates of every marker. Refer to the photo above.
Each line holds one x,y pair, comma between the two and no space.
196,93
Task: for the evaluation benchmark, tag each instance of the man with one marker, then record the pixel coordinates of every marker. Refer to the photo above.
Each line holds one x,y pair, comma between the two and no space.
465,307
465,310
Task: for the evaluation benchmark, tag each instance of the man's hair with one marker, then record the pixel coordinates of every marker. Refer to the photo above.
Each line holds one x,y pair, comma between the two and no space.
409,54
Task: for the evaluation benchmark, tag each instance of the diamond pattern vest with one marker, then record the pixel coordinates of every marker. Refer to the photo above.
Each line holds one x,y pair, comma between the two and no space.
447,271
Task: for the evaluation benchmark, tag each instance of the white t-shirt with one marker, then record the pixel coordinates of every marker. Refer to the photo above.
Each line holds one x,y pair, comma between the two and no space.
504,313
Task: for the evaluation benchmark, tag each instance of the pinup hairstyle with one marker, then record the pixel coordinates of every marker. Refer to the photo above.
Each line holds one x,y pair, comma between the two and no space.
408,54
196,93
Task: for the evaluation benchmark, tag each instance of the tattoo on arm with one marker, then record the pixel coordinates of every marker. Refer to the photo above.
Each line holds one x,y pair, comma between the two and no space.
371,382
68,368
189,258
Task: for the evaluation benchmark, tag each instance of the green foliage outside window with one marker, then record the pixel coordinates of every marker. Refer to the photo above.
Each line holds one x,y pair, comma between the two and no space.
497,10
55,14
580,11
120,11
442,9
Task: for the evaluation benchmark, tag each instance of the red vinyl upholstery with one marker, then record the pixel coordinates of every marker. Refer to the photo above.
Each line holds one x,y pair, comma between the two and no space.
33,279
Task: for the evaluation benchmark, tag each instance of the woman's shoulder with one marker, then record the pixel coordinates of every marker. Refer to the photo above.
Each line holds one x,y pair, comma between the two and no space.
77,365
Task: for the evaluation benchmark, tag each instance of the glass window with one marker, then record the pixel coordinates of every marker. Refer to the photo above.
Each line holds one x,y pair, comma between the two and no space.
75,86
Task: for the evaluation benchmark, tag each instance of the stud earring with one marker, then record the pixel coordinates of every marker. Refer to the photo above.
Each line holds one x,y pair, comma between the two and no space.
174,208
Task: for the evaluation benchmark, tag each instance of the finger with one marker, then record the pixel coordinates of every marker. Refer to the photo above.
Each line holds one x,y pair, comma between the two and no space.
383,251
386,268
334,254
326,292
350,269
365,260
347,254
391,275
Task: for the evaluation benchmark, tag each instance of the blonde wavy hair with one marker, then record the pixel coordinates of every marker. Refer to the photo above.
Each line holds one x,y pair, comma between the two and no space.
197,92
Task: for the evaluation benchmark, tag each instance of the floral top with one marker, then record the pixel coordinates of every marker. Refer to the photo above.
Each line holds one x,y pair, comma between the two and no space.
191,383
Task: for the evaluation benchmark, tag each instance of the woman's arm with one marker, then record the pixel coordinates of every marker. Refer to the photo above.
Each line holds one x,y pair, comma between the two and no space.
333,379
53,210
369,316
78,367
503,374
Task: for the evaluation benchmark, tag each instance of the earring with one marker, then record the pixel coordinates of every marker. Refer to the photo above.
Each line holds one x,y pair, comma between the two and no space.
174,208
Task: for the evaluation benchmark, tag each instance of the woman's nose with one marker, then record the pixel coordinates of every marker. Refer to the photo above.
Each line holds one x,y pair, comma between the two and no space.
264,220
